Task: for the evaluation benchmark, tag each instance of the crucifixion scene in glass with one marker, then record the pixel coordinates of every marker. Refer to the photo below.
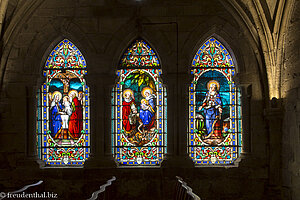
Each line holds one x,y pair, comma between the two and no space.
63,135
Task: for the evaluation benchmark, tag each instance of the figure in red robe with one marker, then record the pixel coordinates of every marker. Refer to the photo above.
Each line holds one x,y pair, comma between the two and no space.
128,110
75,121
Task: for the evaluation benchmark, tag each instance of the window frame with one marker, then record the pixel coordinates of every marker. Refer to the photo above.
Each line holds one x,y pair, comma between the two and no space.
154,71
198,70
81,145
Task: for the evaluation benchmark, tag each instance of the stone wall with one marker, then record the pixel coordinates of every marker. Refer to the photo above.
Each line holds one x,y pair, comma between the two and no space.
102,30
291,92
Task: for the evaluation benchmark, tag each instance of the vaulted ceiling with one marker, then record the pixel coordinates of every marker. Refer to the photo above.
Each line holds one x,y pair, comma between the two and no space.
266,22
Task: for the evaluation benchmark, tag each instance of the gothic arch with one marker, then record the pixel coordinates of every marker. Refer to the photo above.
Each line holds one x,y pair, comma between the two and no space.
63,108
215,124
139,103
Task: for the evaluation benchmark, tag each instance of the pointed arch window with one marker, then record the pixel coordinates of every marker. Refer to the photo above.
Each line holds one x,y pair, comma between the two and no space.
215,124
63,137
139,108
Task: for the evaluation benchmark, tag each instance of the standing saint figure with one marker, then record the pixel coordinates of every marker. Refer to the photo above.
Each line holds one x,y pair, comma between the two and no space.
75,120
147,111
129,110
55,117
65,115
67,104
212,106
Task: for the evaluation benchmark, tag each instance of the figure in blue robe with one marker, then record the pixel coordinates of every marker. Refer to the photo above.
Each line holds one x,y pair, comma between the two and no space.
55,117
212,106
147,111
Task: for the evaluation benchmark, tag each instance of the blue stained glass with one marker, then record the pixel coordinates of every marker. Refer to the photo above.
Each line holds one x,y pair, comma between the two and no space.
213,96
58,95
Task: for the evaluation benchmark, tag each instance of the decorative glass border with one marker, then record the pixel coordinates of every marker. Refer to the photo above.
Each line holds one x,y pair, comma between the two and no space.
136,60
65,58
139,55
213,57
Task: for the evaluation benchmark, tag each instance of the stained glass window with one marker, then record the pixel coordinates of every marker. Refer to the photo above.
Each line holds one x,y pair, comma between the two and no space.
215,109
63,136
139,108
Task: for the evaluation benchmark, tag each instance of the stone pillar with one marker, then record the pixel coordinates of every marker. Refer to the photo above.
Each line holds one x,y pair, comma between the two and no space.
3,7
274,116
177,89
22,102
32,159
183,115
169,82
99,117
246,94
31,129
94,151
109,83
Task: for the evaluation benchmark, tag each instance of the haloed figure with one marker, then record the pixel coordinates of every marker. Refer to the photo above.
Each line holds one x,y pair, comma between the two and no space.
147,111
75,120
129,110
212,106
55,117
67,112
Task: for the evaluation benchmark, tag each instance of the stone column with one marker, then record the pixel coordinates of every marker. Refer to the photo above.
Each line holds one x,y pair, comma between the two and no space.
170,83
184,81
246,94
109,83
23,118
3,7
99,117
177,89
94,151
31,129
274,116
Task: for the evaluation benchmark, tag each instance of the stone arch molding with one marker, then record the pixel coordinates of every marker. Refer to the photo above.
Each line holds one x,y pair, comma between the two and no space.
66,29
135,29
271,19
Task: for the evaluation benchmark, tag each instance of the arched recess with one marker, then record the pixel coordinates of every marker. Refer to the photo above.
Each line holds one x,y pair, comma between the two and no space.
63,122
139,108
215,124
